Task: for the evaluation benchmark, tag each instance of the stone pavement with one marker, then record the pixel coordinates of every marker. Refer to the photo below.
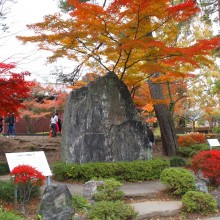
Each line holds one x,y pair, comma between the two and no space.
146,209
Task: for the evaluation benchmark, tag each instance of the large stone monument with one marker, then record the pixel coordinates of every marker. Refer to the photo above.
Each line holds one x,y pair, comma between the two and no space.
101,124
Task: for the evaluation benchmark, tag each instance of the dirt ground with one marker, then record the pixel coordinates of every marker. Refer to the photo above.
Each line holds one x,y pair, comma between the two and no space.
51,146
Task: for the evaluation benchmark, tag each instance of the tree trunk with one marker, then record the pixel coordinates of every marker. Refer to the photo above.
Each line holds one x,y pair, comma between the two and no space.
194,126
165,120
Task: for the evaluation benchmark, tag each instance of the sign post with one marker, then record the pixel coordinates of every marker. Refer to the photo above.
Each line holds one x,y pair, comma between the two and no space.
36,159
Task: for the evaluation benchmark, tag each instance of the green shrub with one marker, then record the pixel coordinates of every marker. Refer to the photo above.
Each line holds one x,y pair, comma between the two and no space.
192,149
200,147
86,171
108,210
179,180
80,203
4,169
62,171
216,130
7,190
140,170
122,171
199,202
9,215
186,151
178,162
109,191
107,204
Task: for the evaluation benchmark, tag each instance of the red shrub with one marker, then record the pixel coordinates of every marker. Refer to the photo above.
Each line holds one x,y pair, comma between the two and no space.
190,139
25,177
208,163
27,174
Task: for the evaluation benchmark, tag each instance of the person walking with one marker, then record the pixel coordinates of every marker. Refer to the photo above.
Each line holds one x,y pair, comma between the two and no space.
10,121
150,135
1,125
59,123
53,122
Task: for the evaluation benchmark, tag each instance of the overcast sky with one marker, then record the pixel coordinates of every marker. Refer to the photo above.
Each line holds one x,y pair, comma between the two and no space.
28,57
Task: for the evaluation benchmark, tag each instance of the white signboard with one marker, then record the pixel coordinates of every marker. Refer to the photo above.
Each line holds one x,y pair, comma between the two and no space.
36,159
213,143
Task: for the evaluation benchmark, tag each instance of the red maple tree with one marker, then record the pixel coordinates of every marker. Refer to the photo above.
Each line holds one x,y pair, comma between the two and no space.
13,89
207,163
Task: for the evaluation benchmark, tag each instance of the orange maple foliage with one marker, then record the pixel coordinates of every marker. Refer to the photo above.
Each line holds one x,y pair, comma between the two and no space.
191,138
133,38
174,101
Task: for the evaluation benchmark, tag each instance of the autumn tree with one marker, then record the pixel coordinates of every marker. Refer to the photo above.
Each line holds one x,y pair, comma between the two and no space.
13,86
201,89
13,89
198,91
41,104
136,39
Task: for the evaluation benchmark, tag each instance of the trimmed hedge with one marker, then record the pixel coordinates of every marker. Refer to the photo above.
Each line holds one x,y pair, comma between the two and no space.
192,149
179,180
116,210
109,191
199,202
7,189
122,171
178,162
80,203
4,169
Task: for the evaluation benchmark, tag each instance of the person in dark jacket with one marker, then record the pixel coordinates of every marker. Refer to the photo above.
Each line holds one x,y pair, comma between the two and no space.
59,124
1,124
150,136
10,121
